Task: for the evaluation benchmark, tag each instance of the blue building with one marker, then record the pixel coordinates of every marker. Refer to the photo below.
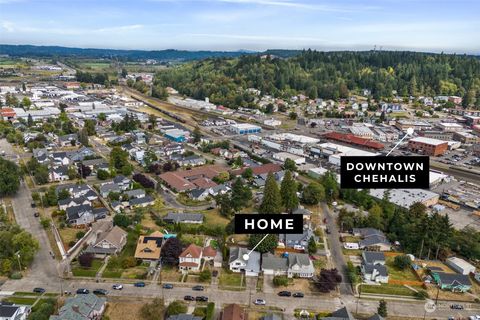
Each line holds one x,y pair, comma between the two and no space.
176,135
245,128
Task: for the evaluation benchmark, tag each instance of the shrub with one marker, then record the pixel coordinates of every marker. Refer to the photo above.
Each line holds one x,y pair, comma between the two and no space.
402,262
205,276
85,260
80,235
16,276
280,281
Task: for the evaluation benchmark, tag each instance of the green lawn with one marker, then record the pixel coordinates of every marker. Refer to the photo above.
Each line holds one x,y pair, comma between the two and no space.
25,293
18,300
388,289
228,279
79,271
398,274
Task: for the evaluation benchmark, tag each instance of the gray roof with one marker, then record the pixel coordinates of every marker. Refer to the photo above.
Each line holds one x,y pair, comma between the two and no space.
135,192
301,259
180,217
381,269
373,240
80,307
137,201
184,316
78,201
7,311
340,314
75,212
109,187
371,256
297,238
454,278
270,261
253,263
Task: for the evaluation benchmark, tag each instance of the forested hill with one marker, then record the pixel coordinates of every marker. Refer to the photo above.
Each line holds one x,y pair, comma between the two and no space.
328,75
163,55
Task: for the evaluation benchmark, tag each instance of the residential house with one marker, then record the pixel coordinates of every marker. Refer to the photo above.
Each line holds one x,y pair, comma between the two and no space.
141,202
60,158
117,206
68,140
271,316
80,215
274,265
372,239
233,312
190,161
209,253
80,154
56,174
108,187
297,241
191,258
304,212
340,314
300,265
78,190
63,204
199,194
122,181
219,189
186,180
108,243
100,213
136,193
82,307
10,311
41,154
237,263
94,164
452,281
173,217
149,246
373,267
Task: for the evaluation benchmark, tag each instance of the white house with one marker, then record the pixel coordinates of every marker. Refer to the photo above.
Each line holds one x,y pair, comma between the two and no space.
237,263
191,258
13,312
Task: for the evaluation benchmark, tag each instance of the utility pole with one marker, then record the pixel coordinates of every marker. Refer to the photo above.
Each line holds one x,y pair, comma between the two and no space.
18,259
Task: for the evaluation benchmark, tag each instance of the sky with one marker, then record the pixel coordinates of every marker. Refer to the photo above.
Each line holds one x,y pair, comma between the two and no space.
420,25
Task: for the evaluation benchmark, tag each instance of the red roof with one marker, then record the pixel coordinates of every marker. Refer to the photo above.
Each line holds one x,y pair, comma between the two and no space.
264,168
182,180
193,250
188,264
352,139
7,112
209,252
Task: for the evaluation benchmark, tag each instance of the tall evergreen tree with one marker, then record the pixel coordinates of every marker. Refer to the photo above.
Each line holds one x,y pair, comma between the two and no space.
272,202
288,192
241,194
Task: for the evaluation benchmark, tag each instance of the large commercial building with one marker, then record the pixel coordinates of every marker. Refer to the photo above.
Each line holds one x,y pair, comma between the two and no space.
450,127
428,146
335,151
406,197
245,128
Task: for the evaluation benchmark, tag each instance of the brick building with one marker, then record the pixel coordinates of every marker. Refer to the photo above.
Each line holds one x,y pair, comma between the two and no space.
427,146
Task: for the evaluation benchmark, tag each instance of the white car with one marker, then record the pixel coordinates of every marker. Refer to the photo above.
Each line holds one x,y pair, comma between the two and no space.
259,302
117,287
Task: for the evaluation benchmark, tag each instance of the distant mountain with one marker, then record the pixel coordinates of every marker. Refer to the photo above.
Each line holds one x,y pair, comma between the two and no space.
162,55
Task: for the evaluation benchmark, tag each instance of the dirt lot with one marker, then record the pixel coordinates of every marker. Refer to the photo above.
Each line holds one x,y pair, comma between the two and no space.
124,310
447,295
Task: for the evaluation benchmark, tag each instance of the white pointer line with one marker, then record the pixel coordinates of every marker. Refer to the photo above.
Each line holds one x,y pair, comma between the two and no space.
247,255
409,133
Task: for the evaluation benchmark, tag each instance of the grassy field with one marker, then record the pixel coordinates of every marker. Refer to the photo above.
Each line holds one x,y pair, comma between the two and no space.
227,279
398,274
19,300
388,289
79,271
68,235
212,217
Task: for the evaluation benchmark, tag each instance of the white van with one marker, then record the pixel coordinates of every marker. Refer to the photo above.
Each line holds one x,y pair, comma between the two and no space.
351,245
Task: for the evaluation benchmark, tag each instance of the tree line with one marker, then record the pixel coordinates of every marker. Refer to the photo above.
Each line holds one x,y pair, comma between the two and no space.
327,75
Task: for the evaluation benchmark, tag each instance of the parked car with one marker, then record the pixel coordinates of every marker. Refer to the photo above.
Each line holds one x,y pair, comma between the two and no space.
117,287
259,302
189,298
215,273
201,298
298,295
139,284
456,307
83,291
167,286
33,205
100,292
39,290
198,288
285,294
